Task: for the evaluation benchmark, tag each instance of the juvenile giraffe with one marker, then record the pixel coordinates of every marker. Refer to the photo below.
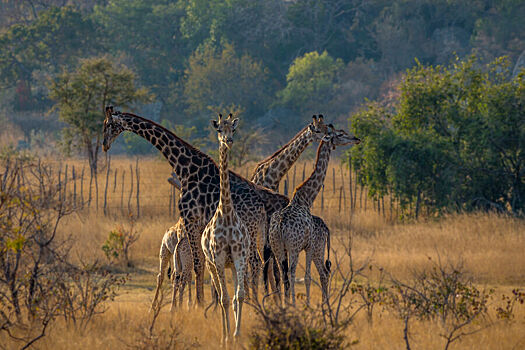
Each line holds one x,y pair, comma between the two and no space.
293,230
225,241
200,182
175,245
269,173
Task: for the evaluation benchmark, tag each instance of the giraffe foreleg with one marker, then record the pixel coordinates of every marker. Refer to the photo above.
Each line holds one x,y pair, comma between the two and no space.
164,258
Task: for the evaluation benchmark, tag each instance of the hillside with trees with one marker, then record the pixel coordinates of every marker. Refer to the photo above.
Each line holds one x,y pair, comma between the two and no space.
426,64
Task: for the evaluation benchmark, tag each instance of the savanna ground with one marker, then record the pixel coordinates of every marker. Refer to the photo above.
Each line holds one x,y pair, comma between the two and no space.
489,248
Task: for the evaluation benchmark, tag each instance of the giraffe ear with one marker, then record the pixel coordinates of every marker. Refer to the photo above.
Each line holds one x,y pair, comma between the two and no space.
214,124
235,122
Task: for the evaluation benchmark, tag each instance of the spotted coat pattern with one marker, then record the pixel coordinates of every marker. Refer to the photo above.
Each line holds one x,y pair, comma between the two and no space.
200,183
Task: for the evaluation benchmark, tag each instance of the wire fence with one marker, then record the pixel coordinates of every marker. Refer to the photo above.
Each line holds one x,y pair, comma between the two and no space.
131,187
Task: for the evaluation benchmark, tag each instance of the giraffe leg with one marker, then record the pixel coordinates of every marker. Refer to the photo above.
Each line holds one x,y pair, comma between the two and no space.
164,258
225,302
194,235
294,257
323,276
255,267
240,267
307,275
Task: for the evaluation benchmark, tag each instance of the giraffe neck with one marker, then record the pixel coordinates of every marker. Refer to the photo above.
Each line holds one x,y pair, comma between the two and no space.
225,201
184,158
306,193
270,172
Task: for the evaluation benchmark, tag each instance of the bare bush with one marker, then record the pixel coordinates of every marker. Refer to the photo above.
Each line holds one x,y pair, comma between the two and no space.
149,337
38,283
443,294
292,328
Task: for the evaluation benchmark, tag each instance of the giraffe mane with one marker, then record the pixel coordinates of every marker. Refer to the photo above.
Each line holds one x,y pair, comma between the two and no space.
184,142
201,153
308,178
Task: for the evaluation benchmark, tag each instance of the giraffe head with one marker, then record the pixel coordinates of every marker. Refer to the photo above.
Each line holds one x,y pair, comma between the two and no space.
112,128
339,137
318,128
225,129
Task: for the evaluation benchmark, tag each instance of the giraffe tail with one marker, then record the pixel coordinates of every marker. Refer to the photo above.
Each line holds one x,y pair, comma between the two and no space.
328,263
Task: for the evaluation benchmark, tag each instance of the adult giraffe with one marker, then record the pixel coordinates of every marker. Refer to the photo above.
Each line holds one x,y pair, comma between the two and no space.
269,173
200,185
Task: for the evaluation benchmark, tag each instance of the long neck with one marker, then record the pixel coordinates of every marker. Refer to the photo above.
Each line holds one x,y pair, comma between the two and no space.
271,171
306,193
225,200
184,158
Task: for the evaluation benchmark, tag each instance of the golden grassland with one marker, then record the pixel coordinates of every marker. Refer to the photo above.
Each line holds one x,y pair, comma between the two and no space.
490,247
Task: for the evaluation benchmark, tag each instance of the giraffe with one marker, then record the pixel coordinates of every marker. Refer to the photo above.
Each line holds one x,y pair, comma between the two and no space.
269,173
175,244
199,178
225,241
292,229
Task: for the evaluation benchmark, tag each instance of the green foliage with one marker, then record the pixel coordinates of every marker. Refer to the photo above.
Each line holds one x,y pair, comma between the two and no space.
119,241
81,96
113,246
217,78
311,82
454,140
148,33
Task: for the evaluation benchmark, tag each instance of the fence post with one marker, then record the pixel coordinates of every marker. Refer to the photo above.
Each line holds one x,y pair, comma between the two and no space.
122,190
82,188
65,183
59,183
115,180
130,188
343,186
286,187
333,180
304,169
106,187
352,203
96,190
137,172
340,197
74,187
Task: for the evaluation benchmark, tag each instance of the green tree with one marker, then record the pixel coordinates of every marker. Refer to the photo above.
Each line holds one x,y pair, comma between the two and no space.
218,78
81,96
311,82
454,140
147,31
56,38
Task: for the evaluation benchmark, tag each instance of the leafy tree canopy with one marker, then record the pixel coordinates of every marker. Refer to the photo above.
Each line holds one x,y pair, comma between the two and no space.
311,82
81,96
218,77
455,139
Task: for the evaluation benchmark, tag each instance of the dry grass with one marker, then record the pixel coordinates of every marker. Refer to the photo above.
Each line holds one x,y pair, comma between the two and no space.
491,248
